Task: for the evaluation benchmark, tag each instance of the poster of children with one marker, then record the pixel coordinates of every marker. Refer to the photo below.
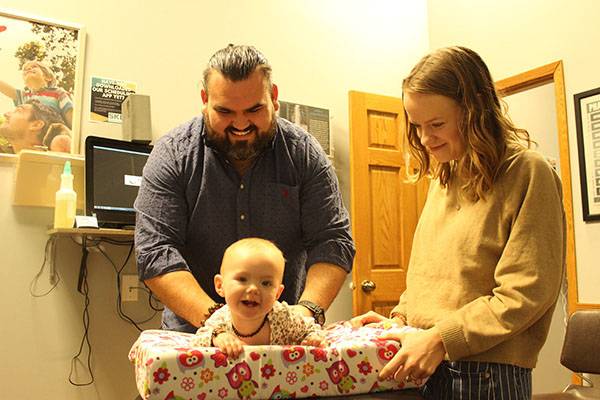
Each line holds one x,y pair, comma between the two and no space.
38,63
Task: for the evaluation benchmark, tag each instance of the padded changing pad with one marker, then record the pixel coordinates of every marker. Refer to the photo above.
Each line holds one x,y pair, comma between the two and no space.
167,367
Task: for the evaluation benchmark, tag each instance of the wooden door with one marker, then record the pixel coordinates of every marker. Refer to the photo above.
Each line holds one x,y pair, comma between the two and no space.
385,208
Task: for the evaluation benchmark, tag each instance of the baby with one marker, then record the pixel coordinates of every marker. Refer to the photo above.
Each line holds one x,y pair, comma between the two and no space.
250,281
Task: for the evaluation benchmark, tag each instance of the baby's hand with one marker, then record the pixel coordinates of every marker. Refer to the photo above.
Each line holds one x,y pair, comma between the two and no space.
229,344
316,339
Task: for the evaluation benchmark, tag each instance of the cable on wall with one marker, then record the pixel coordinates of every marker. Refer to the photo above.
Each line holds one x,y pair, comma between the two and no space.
88,244
118,272
54,277
83,287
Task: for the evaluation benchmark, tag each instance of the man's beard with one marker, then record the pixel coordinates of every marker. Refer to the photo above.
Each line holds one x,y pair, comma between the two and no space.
244,149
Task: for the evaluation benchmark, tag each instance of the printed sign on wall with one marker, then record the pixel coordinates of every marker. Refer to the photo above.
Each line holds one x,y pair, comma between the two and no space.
107,95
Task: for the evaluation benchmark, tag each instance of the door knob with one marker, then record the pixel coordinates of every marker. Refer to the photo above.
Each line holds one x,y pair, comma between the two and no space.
368,286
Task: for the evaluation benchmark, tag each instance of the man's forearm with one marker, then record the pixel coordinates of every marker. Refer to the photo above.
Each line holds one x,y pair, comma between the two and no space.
323,282
181,293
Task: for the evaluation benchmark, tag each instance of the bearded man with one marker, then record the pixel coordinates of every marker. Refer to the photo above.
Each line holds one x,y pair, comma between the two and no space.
238,171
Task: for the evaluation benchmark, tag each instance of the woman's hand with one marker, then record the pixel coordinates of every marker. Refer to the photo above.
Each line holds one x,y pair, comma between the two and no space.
229,344
369,318
417,359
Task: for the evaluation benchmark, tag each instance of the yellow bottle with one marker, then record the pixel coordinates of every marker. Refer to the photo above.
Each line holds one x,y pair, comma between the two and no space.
65,201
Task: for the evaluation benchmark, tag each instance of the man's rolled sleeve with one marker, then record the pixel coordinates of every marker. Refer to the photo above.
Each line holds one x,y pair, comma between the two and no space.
160,221
325,221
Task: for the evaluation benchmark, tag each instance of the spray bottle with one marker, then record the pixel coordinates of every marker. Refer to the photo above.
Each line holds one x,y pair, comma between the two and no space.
66,200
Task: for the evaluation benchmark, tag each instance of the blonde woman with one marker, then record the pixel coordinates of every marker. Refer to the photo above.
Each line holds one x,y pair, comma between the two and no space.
489,249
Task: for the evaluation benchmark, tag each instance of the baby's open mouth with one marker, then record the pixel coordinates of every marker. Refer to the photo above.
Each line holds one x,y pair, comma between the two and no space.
249,303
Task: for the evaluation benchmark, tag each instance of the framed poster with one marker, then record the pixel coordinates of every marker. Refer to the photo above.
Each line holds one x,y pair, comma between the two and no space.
587,119
41,70
315,120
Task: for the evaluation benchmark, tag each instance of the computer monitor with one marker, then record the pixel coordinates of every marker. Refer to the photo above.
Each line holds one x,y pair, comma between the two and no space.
113,174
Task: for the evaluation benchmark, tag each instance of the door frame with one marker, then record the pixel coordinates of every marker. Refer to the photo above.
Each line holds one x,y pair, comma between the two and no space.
553,73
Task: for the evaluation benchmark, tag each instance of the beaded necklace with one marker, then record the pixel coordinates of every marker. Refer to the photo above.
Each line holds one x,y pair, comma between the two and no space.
238,334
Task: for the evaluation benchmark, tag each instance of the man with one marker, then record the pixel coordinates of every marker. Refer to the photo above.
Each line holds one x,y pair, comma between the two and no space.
239,171
26,126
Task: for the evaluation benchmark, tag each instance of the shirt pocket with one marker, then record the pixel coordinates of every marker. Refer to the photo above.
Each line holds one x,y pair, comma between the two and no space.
282,209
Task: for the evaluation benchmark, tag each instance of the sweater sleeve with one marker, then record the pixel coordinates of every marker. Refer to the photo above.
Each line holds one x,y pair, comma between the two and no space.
400,309
529,272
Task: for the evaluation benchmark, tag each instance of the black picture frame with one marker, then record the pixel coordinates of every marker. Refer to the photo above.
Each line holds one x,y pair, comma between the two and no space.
587,119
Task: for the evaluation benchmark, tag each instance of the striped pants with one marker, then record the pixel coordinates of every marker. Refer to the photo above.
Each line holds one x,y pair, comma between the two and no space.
472,380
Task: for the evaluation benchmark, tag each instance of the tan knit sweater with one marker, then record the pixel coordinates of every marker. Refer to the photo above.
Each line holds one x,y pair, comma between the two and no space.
487,274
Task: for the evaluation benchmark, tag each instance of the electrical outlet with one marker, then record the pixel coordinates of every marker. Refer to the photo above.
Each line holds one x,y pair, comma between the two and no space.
129,287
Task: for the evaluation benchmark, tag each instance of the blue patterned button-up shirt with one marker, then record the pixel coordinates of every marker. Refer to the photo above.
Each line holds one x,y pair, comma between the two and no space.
192,205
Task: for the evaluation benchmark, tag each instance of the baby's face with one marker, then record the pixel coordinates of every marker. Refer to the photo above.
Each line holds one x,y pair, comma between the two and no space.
250,283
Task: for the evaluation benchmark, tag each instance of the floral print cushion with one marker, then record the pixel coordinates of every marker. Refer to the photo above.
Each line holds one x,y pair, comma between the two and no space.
167,367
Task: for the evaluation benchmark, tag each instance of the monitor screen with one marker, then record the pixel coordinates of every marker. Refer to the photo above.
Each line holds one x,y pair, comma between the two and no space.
113,174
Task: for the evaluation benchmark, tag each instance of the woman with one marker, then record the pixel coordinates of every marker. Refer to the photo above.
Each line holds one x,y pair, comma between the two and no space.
489,249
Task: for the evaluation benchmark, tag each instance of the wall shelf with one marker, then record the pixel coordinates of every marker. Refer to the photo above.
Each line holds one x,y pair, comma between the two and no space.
37,177
91,232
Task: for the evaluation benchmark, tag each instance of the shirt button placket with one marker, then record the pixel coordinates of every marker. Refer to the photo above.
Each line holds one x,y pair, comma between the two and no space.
242,208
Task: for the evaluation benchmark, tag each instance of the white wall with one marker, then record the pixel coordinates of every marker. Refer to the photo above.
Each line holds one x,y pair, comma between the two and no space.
40,335
319,51
513,36
535,110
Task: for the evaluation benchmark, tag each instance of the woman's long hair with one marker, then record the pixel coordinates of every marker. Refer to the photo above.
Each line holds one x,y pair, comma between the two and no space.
460,74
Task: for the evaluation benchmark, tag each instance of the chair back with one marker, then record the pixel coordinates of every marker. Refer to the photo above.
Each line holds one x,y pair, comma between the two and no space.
581,347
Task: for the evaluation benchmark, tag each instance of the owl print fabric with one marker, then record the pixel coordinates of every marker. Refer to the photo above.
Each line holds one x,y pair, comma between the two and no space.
169,366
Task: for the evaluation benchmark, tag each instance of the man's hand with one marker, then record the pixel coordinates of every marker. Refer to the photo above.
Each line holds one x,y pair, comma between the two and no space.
229,344
417,359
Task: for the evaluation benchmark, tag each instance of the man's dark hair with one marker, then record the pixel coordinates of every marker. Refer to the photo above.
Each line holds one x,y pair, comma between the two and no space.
44,113
236,63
